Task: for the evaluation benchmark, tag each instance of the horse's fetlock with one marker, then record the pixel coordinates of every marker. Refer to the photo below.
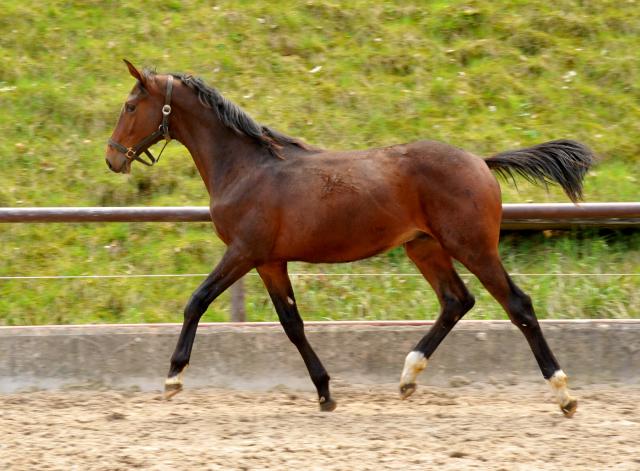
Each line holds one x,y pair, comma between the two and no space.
179,362
321,380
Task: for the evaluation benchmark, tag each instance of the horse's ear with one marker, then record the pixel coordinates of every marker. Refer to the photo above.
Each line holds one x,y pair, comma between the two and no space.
134,71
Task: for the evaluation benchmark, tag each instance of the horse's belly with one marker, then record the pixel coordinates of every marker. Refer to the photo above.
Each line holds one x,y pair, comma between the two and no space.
347,225
348,247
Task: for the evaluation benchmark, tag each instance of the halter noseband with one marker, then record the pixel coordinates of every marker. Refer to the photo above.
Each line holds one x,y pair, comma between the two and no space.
163,130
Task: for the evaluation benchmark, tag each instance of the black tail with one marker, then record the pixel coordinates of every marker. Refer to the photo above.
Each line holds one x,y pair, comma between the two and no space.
562,162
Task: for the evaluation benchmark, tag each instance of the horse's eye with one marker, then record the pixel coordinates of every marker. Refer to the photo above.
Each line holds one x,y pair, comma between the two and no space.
131,108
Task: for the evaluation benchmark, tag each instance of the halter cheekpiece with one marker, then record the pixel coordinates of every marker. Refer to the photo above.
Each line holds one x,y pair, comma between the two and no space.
163,130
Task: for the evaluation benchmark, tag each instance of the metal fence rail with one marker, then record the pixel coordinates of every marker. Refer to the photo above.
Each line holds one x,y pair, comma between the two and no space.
514,216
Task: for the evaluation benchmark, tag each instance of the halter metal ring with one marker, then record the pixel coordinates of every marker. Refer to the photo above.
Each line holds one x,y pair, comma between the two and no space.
166,109
130,153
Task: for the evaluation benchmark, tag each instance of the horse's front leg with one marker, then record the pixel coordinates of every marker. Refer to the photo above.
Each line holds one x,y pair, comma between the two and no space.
277,281
233,266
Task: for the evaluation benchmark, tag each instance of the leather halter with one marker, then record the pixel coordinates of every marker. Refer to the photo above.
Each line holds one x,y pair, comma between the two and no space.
163,130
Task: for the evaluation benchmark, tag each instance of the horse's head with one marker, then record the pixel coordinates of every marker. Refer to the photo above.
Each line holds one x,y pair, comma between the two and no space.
143,120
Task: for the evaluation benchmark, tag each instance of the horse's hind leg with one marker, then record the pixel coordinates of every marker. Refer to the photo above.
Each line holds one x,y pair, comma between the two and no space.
482,260
276,279
456,300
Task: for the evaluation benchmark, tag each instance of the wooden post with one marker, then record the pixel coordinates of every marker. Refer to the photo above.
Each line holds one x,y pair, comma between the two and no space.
238,306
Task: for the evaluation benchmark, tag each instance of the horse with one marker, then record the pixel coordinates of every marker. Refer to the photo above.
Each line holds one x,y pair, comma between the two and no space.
275,199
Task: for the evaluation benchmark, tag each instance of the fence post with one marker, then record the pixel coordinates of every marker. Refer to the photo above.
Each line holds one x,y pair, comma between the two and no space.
238,306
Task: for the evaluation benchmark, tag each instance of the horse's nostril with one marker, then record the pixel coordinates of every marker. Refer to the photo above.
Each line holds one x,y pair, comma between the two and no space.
108,164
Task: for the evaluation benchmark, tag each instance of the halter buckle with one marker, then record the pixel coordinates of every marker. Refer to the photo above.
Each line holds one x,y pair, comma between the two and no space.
166,109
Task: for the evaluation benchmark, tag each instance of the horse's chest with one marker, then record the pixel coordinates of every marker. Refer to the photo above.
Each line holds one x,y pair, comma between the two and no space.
222,223
221,235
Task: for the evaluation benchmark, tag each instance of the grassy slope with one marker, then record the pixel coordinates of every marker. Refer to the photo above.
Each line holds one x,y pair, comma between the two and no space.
483,75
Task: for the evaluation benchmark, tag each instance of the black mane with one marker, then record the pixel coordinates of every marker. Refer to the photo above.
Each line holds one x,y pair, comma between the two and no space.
234,117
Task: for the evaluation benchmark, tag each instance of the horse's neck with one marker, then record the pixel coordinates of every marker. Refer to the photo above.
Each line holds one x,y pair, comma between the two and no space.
218,152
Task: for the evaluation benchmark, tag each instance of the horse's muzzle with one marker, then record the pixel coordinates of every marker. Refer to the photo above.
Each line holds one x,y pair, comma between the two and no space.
123,169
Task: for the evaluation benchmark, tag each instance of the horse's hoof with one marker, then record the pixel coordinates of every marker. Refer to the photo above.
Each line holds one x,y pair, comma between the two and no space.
171,388
327,405
407,390
570,408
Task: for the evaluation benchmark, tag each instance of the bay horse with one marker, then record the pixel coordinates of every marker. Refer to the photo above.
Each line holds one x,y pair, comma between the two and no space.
275,199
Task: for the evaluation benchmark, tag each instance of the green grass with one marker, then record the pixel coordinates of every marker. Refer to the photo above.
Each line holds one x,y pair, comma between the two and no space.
486,76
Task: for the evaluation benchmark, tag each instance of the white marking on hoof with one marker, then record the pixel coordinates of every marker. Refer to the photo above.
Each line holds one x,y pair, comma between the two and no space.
413,365
175,379
291,301
558,384
173,385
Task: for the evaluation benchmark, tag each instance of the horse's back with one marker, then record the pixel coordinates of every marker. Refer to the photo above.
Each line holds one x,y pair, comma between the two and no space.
352,204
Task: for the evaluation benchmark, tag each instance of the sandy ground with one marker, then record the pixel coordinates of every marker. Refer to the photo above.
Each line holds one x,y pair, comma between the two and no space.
476,427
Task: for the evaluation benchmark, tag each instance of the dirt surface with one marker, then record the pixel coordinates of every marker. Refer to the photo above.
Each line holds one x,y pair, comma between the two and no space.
476,427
